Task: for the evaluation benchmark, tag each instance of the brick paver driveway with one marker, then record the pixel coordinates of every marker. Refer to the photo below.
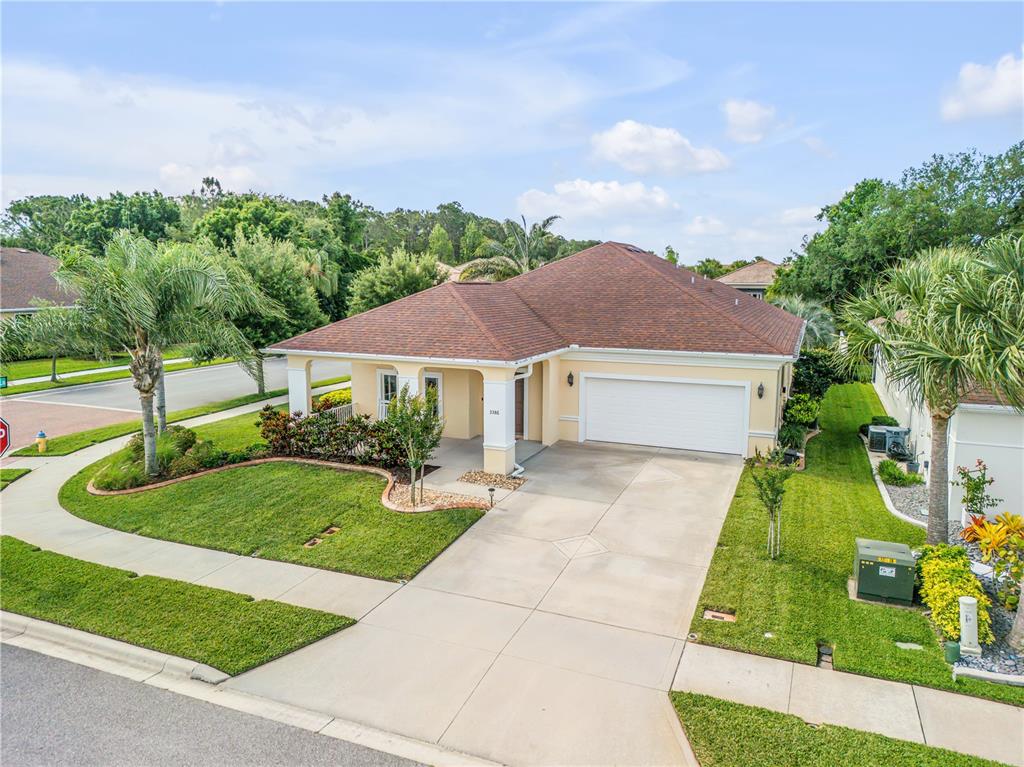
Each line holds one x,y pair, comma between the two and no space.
550,632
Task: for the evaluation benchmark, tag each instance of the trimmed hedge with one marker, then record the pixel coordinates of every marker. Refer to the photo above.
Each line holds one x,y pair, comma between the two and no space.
945,576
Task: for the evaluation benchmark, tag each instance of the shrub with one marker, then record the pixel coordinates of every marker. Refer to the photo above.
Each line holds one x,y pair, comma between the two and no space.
792,435
183,437
136,446
166,451
892,474
207,456
276,429
1002,545
878,420
945,576
121,476
184,465
335,398
815,371
802,409
975,483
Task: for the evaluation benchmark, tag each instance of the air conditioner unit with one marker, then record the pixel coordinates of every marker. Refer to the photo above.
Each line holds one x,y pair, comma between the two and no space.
899,434
876,439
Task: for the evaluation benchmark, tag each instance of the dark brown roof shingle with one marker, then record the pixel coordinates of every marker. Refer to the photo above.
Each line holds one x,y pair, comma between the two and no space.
26,277
609,296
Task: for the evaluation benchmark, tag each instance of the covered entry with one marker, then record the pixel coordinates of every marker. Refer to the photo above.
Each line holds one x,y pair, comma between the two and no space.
686,414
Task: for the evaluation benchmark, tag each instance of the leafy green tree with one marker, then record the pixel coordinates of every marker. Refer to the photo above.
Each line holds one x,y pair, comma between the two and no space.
670,255
769,476
710,267
250,214
142,298
281,272
944,323
37,223
439,246
957,199
93,223
418,426
567,248
518,253
473,240
820,329
395,276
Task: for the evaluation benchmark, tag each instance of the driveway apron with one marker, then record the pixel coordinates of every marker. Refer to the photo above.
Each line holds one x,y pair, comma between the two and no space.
550,632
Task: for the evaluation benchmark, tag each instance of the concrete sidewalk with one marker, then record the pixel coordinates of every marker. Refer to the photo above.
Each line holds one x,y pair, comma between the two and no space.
32,513
86,372
958,722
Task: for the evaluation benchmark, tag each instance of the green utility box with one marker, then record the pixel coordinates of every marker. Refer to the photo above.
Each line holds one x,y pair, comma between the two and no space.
884,571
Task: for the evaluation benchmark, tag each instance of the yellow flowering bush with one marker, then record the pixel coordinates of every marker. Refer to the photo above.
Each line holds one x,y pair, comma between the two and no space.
335,398
945,573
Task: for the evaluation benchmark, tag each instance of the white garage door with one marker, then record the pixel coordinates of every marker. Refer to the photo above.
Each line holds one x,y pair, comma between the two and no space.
689,416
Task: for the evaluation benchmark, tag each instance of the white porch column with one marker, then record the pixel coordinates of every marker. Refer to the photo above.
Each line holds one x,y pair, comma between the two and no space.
409,375
300,394
499,421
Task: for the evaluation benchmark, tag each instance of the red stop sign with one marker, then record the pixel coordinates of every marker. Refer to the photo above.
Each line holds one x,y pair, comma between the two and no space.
5,436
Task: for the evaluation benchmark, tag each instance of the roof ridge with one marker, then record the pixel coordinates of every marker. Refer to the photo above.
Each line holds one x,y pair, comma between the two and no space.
537,314
477,321
703,302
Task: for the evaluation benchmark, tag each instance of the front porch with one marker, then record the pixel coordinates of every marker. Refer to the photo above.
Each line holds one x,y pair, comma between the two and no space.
495,416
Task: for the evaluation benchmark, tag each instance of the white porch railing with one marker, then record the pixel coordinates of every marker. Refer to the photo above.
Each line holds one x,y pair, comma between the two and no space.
382,411
341,413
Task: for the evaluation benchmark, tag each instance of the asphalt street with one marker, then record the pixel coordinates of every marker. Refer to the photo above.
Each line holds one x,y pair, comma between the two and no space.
59,713
187,388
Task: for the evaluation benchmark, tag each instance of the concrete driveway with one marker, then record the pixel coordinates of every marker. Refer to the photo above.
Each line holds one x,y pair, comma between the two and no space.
550,632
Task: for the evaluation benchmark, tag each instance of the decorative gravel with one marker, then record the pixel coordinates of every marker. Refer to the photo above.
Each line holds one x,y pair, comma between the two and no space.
492,480
998,656
431,499
912,500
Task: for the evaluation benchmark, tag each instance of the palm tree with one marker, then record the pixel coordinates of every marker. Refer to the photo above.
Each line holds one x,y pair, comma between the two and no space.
820,329
517,254
943,324
142,298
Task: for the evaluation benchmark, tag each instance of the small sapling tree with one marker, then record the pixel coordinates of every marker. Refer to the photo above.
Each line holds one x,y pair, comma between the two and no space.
769,475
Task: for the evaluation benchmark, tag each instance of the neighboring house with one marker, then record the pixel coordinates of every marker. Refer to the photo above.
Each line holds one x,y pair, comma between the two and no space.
612,344
26,278
753,279
981,427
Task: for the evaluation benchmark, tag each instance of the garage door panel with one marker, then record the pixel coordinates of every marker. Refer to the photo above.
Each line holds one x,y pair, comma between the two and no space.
685,415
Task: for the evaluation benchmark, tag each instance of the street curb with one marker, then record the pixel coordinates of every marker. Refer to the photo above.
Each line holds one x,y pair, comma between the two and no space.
201,682
101,652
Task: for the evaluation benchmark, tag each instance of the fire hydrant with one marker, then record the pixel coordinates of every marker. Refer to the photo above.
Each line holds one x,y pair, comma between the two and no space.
41,441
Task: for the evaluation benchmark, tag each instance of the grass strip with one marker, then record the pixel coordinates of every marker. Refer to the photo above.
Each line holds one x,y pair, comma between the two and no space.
270,510
112,375
7,476
42,367
784,608
726,734
70,443
231,632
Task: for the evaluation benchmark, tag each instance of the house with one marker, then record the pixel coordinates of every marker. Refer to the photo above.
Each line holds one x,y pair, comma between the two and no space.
612,344
26,279
981,428
753,279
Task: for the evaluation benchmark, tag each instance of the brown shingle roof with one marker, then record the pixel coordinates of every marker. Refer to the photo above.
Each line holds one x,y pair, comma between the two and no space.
760,273
27,277
609,296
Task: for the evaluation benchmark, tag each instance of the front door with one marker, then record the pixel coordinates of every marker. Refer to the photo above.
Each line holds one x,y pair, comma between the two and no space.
520,394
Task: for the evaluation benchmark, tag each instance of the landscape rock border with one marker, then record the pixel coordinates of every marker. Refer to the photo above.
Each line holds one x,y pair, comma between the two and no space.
385,497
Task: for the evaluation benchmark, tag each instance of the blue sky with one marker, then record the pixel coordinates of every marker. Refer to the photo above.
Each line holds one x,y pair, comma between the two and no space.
718,128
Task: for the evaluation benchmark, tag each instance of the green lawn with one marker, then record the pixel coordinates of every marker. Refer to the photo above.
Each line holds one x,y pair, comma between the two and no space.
70,443
270,510
725,734
7,476
112,375
228,631
42,367
801,599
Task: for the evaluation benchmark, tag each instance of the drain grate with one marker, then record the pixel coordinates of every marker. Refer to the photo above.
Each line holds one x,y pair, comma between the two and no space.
719,615
312,542
824,655
330,530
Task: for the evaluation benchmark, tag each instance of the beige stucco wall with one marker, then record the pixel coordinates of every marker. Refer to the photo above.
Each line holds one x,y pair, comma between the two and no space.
463,394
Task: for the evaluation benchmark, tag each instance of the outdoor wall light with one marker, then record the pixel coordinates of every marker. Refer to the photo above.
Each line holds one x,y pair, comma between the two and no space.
760,390
570,379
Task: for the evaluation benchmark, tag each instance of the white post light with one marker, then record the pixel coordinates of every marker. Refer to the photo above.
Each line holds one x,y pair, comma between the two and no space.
969,626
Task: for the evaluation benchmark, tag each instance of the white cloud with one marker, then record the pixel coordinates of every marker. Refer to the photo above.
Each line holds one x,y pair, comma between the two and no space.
748,121
986,91
610,201
641,148
705,225
818,146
